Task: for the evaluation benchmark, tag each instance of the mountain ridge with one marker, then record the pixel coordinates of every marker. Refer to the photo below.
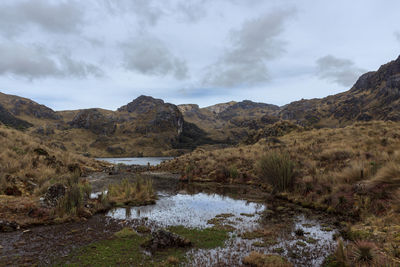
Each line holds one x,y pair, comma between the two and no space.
149,125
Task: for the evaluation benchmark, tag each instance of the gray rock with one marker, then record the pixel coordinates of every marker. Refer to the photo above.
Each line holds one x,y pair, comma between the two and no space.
165,239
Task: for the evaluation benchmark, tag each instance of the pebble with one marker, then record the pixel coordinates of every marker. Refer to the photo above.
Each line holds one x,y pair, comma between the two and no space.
1,247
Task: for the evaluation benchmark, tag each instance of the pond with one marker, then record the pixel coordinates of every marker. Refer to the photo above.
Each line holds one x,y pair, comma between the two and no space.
198,209
136,161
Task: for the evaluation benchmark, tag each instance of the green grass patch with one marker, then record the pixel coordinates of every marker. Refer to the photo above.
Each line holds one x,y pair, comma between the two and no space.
202,238
252,235
122,250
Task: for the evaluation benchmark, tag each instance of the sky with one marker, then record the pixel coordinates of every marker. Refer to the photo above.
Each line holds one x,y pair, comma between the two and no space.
104,53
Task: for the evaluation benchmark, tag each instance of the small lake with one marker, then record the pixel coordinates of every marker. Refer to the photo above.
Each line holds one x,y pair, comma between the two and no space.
191,210
197,209
136,161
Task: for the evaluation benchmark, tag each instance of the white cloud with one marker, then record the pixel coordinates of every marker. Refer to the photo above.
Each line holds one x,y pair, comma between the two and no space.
338,70
33,62
150,56
244,62
61,17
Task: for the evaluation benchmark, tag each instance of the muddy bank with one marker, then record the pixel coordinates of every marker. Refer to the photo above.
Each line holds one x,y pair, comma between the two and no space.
43,244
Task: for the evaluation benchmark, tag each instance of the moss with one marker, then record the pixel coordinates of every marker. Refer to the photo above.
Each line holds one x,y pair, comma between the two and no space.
311,240
143,229
224,215
247,214
202,238
278,250
125,232
301,243
252,235
122,250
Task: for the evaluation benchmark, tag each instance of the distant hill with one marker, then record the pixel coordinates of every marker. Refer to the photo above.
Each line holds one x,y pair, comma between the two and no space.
149,126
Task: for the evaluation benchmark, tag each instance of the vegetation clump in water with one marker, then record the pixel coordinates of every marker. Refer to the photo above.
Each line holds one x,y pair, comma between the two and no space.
136,193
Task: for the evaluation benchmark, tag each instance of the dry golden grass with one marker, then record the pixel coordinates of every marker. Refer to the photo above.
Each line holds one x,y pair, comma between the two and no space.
27,164
353,171
127,193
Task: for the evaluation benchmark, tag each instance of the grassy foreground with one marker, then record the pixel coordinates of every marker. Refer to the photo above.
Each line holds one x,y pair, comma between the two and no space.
124,249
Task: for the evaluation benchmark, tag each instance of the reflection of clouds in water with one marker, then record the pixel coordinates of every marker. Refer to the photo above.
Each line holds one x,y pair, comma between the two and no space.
136,161
190,210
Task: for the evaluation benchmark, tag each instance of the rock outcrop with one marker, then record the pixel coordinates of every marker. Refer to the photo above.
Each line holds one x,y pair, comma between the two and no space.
8,119
375,96
162,239
95,121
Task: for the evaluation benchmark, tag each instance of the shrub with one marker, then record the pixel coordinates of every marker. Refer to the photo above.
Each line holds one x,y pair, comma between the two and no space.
73,201
388,177
363,253
277,169
139,192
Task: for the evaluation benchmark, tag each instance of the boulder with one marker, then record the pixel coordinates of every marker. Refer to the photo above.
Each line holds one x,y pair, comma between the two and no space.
164,239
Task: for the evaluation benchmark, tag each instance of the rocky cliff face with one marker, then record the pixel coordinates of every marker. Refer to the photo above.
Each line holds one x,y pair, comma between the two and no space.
19,106
218,108
94,121
153,115
8,119
375,96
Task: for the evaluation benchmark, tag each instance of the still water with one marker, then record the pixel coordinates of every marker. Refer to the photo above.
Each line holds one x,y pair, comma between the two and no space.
136,161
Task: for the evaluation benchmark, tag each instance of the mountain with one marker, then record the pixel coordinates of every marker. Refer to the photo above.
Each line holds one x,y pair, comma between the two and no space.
145,126
375,96
149,126
229,122
8,119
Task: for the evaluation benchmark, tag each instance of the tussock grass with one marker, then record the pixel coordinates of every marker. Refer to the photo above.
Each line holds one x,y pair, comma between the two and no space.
132,193
28,164
277,169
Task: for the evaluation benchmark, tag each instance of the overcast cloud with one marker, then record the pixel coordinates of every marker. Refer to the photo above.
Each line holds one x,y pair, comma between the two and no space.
339,70
150,56
58,17
33,62
244,63
103,53
397,35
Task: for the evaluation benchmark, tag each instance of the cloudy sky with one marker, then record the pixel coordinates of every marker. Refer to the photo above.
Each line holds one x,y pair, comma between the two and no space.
104,53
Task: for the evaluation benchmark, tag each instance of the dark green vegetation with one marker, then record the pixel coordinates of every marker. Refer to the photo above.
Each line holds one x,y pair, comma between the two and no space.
125,249
277,169
202,238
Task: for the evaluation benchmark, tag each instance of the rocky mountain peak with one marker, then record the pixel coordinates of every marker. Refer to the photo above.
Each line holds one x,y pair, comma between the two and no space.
142,104
188,108
218,108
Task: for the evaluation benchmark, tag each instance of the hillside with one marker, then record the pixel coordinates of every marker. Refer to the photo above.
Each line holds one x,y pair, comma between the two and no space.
145,126
375,96
148,126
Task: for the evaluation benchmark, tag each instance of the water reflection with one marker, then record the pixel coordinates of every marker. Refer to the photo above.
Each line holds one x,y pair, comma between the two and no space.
136,161
191,210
